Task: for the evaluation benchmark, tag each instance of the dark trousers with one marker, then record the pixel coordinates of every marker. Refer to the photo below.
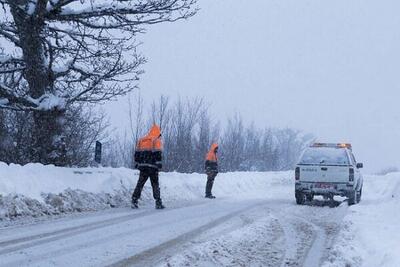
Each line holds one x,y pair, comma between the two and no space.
210,181
145,174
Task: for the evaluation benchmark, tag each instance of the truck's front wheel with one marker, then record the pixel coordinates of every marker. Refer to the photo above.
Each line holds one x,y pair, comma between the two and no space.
300,198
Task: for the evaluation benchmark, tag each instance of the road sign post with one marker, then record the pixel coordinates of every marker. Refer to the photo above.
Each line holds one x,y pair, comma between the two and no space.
97,155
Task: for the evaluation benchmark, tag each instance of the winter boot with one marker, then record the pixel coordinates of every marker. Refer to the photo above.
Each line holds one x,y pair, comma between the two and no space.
134,204
210,196
159,205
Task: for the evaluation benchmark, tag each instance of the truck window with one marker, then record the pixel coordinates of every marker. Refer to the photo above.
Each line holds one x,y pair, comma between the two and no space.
325,156
353,159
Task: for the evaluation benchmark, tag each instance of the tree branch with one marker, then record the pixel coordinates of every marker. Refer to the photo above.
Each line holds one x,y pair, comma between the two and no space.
14,101
81,50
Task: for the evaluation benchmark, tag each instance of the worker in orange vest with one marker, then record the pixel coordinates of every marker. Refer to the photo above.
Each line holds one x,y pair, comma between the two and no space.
211,166
148,159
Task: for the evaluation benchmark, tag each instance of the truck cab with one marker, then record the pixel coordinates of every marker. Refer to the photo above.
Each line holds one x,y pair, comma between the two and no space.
328,170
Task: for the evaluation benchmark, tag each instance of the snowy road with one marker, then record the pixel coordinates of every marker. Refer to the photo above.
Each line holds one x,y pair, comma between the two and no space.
253,222
227,232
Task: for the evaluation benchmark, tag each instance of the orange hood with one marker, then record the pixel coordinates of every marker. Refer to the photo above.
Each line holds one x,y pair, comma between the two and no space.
211,155
155,131
151,141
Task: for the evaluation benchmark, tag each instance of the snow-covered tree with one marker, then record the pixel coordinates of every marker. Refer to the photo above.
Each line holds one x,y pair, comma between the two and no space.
55,53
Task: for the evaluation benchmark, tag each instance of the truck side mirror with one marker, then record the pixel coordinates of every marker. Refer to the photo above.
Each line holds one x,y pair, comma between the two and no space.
360,166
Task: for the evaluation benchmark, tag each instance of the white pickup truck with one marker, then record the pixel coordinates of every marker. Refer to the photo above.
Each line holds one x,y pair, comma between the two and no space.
328,170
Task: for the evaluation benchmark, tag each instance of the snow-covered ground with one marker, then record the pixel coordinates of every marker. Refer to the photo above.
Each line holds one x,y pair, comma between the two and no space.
37,190
370,234
253,222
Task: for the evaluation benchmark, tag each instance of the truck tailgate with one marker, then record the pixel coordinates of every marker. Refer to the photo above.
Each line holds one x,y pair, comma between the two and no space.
324,174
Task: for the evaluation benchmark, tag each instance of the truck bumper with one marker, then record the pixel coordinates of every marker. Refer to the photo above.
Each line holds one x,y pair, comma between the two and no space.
338,189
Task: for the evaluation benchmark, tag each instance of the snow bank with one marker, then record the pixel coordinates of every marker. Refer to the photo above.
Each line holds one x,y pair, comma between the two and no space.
370,235
36,190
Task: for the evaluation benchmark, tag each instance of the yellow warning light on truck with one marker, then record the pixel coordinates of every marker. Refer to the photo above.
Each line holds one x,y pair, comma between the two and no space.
338,145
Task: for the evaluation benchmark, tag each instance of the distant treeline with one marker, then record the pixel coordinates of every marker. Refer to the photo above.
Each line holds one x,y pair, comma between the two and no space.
188,129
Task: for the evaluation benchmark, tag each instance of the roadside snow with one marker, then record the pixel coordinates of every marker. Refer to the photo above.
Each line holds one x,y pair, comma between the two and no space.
370,233
36,190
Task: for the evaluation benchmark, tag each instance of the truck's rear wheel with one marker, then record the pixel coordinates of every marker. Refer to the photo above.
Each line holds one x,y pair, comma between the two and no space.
310,197
352,198
300,198
359,193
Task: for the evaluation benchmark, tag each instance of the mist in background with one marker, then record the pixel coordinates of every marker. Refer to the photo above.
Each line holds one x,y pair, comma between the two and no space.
330,68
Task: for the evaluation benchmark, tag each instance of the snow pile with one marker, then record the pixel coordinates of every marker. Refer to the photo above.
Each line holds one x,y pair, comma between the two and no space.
37,190
370,235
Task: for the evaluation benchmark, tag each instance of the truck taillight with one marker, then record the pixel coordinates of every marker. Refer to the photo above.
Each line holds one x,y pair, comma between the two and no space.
351,175
297,174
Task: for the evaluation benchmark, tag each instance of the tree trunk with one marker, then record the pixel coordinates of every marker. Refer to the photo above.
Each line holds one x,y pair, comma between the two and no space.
48,142
48,138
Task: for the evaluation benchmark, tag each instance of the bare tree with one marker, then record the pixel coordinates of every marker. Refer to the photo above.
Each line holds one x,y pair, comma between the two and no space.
290,144
202,140
252,159
83,125
136,122
188,130
232,144
60,52
159,112
269,151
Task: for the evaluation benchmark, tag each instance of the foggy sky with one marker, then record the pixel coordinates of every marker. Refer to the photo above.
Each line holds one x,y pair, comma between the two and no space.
330,68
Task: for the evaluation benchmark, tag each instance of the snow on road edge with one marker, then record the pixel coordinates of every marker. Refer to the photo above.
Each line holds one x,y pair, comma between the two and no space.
370,235
36,190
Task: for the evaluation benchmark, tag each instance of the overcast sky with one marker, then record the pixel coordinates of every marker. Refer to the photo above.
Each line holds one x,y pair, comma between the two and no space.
331,68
